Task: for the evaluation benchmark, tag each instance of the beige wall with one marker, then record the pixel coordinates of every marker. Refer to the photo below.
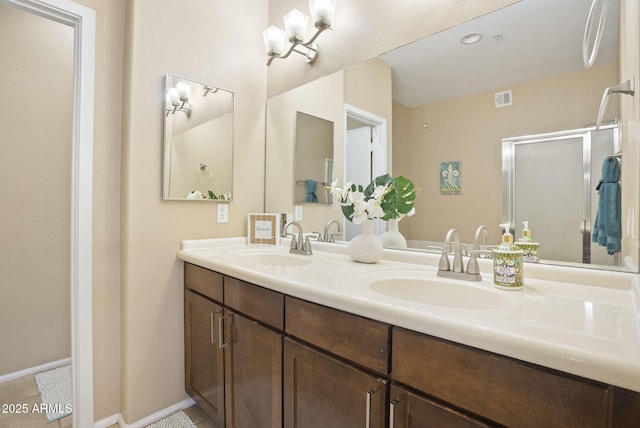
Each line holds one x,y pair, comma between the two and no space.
367,86
35,189
470,129
197,40
322,98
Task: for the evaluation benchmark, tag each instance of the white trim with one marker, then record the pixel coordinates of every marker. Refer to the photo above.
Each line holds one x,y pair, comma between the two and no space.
118,419
83,21
379,142
33,370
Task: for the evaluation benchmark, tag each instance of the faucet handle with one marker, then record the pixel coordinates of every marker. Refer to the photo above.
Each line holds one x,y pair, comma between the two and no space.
306,247
444,261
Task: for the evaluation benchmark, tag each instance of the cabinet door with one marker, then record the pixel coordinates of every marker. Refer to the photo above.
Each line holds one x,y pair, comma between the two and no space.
321,392
253,371
408,410
204,359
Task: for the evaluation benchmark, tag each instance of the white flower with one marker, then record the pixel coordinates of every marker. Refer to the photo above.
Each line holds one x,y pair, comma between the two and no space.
379,192
196,194
374,209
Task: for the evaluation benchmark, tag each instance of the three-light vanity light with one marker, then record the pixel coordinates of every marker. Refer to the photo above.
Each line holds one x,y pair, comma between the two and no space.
296,23
178,99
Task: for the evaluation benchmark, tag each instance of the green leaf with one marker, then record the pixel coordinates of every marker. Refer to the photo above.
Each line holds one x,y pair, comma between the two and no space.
212,195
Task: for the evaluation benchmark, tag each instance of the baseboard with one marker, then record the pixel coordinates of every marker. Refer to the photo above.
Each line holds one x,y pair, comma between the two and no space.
33,370
104,423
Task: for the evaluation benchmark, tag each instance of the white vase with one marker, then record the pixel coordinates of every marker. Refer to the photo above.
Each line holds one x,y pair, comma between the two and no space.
392,238
366,247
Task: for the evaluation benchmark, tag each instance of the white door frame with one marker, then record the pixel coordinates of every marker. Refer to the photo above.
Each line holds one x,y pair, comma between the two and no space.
378,126
83,22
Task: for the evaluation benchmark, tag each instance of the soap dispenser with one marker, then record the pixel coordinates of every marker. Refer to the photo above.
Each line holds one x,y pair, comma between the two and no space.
508,272
530,248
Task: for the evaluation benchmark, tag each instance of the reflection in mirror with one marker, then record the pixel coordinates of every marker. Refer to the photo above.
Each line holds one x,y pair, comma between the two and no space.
571,193
313,163
198,141
444,109
453,97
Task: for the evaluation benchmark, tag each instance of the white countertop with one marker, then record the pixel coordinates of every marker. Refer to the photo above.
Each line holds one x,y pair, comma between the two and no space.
580,321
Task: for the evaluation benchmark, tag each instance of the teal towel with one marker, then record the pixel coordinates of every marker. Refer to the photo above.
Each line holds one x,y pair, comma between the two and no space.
310,187
607,230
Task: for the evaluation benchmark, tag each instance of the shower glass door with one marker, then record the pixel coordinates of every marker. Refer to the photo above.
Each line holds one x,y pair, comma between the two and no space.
550,181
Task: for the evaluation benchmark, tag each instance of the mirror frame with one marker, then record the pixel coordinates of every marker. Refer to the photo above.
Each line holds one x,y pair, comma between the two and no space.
167,145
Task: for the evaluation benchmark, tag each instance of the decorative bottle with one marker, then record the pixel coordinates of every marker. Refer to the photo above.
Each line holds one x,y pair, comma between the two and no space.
530,248
508,271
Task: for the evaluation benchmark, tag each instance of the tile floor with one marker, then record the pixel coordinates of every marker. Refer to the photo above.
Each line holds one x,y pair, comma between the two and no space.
24,391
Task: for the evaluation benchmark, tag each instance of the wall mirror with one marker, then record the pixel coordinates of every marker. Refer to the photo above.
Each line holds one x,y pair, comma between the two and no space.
313,163
198,141
457,102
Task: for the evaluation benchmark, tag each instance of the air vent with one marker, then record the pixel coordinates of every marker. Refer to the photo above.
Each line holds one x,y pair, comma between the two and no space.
503,99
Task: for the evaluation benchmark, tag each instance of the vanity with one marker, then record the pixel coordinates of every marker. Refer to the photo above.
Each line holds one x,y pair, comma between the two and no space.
277,339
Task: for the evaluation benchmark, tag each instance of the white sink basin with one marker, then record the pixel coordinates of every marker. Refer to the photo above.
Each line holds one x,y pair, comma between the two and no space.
270,259
424,288
434,293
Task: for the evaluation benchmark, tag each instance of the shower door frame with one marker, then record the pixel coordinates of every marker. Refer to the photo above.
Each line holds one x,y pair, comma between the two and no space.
509,175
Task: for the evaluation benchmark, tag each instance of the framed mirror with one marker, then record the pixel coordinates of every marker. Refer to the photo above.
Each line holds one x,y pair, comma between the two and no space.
313,163
454,102
198,141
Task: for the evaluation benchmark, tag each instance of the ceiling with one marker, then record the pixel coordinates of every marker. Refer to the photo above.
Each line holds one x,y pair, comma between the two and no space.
528,40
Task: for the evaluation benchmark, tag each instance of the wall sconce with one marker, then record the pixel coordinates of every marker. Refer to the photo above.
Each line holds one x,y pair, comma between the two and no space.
295,24
178,99
210,89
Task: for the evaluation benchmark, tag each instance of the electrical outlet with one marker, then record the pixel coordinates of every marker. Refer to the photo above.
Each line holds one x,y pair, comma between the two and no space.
223,213
298,213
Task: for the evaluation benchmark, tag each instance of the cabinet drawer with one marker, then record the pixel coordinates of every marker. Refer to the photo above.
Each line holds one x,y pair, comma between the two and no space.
507,391
358,339
256,302
204,281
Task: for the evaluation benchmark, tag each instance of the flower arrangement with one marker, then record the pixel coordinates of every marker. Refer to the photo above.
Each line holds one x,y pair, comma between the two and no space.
196,194
384,198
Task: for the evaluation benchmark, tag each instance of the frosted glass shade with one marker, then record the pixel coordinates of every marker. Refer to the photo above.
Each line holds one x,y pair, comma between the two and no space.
274,40
173,98
184,91
296,24
322,11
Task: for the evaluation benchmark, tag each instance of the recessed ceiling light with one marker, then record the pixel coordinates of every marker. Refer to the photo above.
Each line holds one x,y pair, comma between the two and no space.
471,38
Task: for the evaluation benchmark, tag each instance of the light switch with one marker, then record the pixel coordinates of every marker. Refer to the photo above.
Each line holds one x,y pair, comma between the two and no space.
298,213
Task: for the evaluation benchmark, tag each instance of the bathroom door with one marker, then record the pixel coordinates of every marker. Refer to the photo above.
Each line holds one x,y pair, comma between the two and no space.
359,151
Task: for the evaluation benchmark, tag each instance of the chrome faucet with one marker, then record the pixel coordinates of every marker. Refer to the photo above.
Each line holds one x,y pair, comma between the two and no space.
472,265
457,254
299,244
444,268
326,237
483,232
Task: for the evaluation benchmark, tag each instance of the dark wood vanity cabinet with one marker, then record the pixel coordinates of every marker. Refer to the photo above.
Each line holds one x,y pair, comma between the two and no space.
506,391
321,391
204,359
257,358
409,409
233,360
253,372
